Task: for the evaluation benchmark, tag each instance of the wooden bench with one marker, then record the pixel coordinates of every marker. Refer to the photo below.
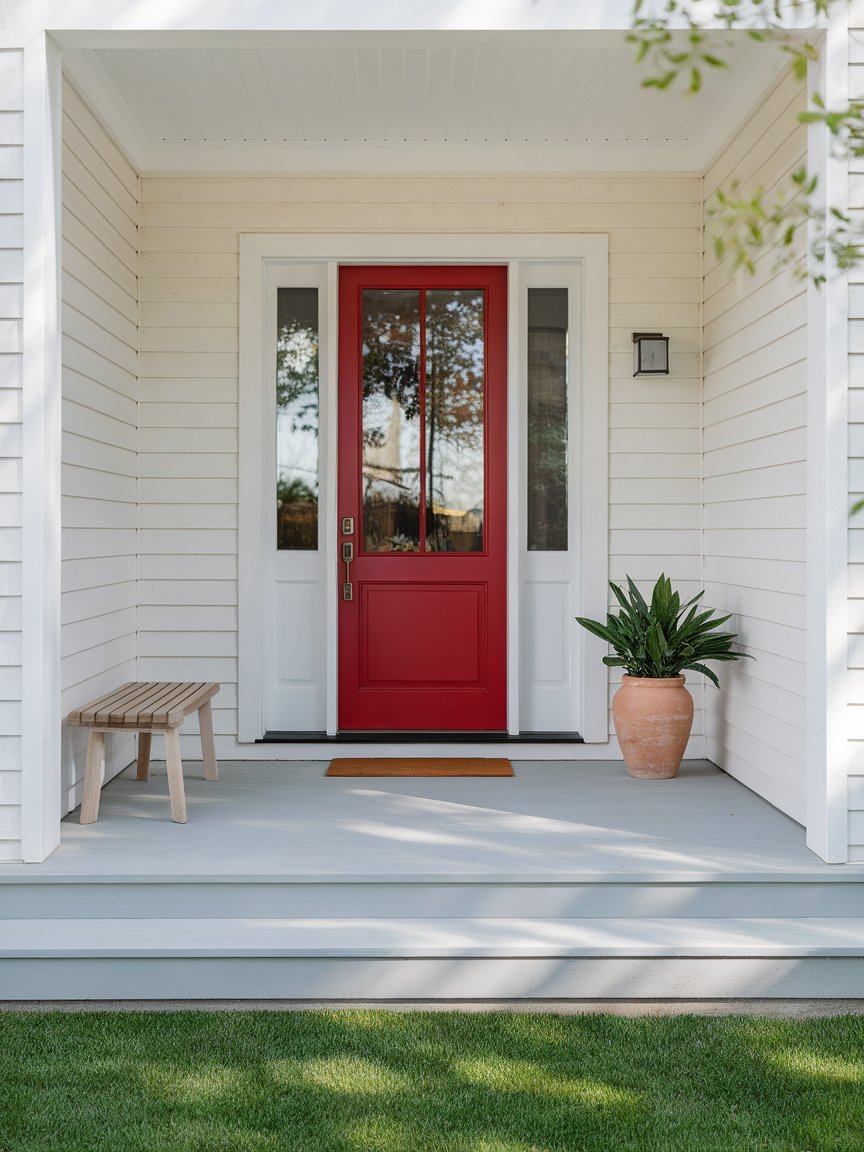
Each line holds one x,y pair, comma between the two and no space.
145,708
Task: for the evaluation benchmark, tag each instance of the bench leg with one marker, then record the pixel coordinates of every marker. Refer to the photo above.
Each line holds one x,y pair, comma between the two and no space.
208,745
94,774
175,775
144,741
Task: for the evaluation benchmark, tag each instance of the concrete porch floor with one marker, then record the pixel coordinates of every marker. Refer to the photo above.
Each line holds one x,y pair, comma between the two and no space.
552,819
569,880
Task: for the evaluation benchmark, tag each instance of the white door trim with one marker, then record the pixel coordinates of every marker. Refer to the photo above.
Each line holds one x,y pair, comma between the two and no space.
335,249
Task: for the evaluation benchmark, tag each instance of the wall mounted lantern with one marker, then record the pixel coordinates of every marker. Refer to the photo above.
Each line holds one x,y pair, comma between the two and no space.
650,354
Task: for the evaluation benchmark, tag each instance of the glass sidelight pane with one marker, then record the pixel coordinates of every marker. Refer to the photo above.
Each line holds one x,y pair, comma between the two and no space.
391,420
297,418
455,365
547,419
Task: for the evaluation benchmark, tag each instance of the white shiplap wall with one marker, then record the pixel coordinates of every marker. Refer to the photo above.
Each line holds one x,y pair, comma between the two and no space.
856,481
11,290
100,428
755,477
189,341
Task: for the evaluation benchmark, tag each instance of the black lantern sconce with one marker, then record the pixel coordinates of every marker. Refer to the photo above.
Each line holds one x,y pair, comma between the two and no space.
650,354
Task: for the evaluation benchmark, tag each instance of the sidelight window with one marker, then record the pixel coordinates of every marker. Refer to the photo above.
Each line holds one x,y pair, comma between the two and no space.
297,418
547,420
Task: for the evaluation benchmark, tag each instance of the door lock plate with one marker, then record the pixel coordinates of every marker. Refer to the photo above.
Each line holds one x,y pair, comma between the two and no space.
347,525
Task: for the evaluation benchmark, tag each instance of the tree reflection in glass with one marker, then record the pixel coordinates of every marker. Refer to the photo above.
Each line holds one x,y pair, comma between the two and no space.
547,419
391,420
297,419
454,420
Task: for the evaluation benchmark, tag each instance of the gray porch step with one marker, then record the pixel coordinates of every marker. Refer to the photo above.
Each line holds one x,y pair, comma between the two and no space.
435,938
451,959
297,897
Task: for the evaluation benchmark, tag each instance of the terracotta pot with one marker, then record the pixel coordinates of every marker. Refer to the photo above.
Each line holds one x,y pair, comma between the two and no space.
652,718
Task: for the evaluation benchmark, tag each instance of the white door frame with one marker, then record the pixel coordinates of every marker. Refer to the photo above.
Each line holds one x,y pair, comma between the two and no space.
591,251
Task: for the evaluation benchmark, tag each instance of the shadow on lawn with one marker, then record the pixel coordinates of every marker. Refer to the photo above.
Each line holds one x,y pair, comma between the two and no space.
415,1082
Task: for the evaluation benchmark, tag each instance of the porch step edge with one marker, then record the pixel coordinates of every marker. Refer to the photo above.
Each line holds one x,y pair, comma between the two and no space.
435,938
821,873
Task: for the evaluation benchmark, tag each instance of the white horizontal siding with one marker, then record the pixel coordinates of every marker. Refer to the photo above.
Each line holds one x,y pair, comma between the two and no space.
11,293
189,391
100,428
754,450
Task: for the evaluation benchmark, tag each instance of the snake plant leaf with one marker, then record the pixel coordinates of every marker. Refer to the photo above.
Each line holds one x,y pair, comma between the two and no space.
637,600
665,636
697,667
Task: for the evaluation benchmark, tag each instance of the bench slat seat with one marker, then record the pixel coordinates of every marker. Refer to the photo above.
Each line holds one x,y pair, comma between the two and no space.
138,705
146,707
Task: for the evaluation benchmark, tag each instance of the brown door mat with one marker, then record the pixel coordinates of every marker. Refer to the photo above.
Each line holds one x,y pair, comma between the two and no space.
419,766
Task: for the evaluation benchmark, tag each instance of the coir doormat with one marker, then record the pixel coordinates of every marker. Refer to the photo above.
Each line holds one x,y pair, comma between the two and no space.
419,766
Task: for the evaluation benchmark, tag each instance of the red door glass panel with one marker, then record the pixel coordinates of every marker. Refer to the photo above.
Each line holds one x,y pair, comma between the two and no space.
422,473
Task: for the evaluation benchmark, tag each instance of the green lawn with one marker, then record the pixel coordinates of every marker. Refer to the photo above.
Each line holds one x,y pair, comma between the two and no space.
417,1082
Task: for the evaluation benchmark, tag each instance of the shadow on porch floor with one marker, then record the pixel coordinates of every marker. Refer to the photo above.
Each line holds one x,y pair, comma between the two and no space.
554,818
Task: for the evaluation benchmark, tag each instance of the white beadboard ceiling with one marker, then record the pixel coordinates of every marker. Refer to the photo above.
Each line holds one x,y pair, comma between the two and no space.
412,100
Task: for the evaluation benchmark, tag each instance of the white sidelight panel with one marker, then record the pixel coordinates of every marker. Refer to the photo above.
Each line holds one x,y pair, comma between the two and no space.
294,483
550,529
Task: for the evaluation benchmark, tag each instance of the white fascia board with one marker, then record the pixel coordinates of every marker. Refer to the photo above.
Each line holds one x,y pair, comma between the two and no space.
28,17
76,21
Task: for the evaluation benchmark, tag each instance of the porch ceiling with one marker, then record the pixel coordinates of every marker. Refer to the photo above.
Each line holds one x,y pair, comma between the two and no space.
408,101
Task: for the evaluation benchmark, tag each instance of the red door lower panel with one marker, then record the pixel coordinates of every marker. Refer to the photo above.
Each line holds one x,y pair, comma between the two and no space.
422,483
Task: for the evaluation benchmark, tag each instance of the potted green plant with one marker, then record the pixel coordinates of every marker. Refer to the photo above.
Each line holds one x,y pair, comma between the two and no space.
656,643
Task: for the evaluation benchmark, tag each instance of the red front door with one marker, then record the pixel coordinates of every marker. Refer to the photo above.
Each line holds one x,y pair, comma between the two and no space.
422,507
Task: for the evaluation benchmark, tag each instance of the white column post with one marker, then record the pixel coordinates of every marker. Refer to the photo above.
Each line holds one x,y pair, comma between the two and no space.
827,487
41,719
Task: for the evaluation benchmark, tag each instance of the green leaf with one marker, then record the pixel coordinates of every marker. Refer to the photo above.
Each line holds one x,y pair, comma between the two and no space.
705,672
636,597
664,637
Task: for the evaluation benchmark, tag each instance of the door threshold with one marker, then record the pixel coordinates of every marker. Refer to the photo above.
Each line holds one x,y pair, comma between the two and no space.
368,737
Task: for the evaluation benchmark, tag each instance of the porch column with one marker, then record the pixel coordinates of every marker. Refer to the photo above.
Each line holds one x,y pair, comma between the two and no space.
40,720
827,486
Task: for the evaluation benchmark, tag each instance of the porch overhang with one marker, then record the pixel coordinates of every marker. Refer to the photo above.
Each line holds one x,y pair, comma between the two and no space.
385,101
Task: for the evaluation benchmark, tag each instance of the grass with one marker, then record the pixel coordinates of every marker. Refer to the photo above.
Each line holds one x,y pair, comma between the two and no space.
428,1082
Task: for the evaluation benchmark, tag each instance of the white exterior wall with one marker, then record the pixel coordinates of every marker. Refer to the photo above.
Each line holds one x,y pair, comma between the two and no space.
189,383
856,478
100,429
755,479
11,281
